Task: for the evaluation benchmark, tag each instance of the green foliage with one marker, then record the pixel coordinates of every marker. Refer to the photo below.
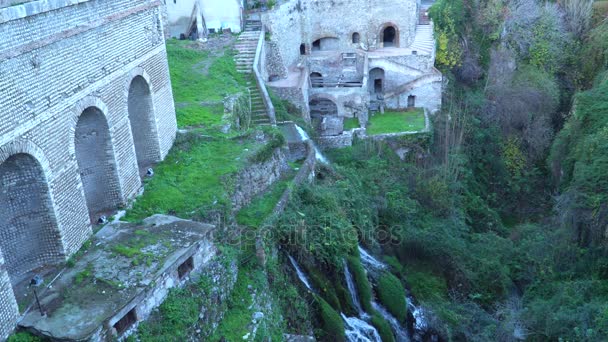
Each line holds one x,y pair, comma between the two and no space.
384,329
395,122
448,16
332,327
350,123
364,289
24,337
392,295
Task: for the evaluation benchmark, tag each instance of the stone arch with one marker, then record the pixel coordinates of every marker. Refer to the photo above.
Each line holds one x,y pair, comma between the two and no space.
140,108
324,115
30,237
389,35
94,150
376,80
316,79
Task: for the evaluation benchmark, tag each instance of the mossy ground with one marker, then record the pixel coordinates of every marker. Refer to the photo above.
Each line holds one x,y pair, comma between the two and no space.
256,212
392,295
395,122
350,123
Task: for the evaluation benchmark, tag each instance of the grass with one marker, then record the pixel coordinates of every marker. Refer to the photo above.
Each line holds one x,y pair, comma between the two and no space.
351,123
194,178
392,295
395,122
256,212
200,82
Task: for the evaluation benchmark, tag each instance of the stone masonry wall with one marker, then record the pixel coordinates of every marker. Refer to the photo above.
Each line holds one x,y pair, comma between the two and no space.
58,58
304,21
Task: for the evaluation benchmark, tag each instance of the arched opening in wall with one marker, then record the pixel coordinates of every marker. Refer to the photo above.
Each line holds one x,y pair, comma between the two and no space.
29,235
411,101
389,37
141,116
324,117
356,38
302,49
316,80
376,81
96,162
326,44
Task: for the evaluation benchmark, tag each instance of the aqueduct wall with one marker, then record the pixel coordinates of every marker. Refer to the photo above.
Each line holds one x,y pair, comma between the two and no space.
85,103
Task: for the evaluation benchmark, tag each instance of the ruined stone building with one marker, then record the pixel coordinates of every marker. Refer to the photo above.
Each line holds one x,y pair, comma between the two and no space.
194,19
85,106
342,58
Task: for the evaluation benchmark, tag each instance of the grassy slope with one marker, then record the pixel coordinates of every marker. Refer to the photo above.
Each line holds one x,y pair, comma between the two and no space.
194,177
394,122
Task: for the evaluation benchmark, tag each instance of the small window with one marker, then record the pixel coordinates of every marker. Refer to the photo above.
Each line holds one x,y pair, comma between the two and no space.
302,49
316,45
316,80
184,269
126,322
356,38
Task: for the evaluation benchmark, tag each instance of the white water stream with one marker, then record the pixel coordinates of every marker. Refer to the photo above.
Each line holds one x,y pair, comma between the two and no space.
301,275
358,330
399,331
305,137
353,290
369,260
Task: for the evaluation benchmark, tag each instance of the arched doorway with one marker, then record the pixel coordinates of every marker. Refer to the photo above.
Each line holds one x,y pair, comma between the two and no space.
316,80
29,235
324,116
96,162
143,129
356,38
376,81
390,37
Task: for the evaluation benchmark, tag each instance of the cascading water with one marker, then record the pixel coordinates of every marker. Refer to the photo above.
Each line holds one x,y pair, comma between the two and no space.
305,137
399,332
355,329
368,259
353,291
301,275
358,330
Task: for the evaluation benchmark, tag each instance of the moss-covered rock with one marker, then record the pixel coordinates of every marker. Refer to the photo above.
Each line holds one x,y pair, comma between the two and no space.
332,326
364,289
325,287
384,329
392,295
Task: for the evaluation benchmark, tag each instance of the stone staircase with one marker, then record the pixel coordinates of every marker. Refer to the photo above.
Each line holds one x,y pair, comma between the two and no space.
424,41
246,46
259,115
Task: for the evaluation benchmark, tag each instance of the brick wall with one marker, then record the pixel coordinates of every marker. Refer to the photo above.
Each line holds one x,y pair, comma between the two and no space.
60,58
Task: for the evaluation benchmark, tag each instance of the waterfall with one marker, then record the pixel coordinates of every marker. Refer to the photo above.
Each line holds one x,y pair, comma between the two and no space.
305,137
301,275
399,332
352,289
368,259
358,330
418,313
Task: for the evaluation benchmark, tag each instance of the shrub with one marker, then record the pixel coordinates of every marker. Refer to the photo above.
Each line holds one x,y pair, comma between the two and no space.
384,329
23,337
331,322
392,295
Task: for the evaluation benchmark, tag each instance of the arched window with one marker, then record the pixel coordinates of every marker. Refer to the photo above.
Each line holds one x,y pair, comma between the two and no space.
389,37
143,127
302,49
356,38
316,80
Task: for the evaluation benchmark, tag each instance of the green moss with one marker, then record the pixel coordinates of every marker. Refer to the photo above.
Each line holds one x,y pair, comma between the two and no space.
395,122
384,329
177,315
276,140
331,323
258,210
364,289
350,123
426,286
392,295
325,287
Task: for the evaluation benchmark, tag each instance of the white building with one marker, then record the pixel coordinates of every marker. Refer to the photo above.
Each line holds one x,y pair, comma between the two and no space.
196,18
